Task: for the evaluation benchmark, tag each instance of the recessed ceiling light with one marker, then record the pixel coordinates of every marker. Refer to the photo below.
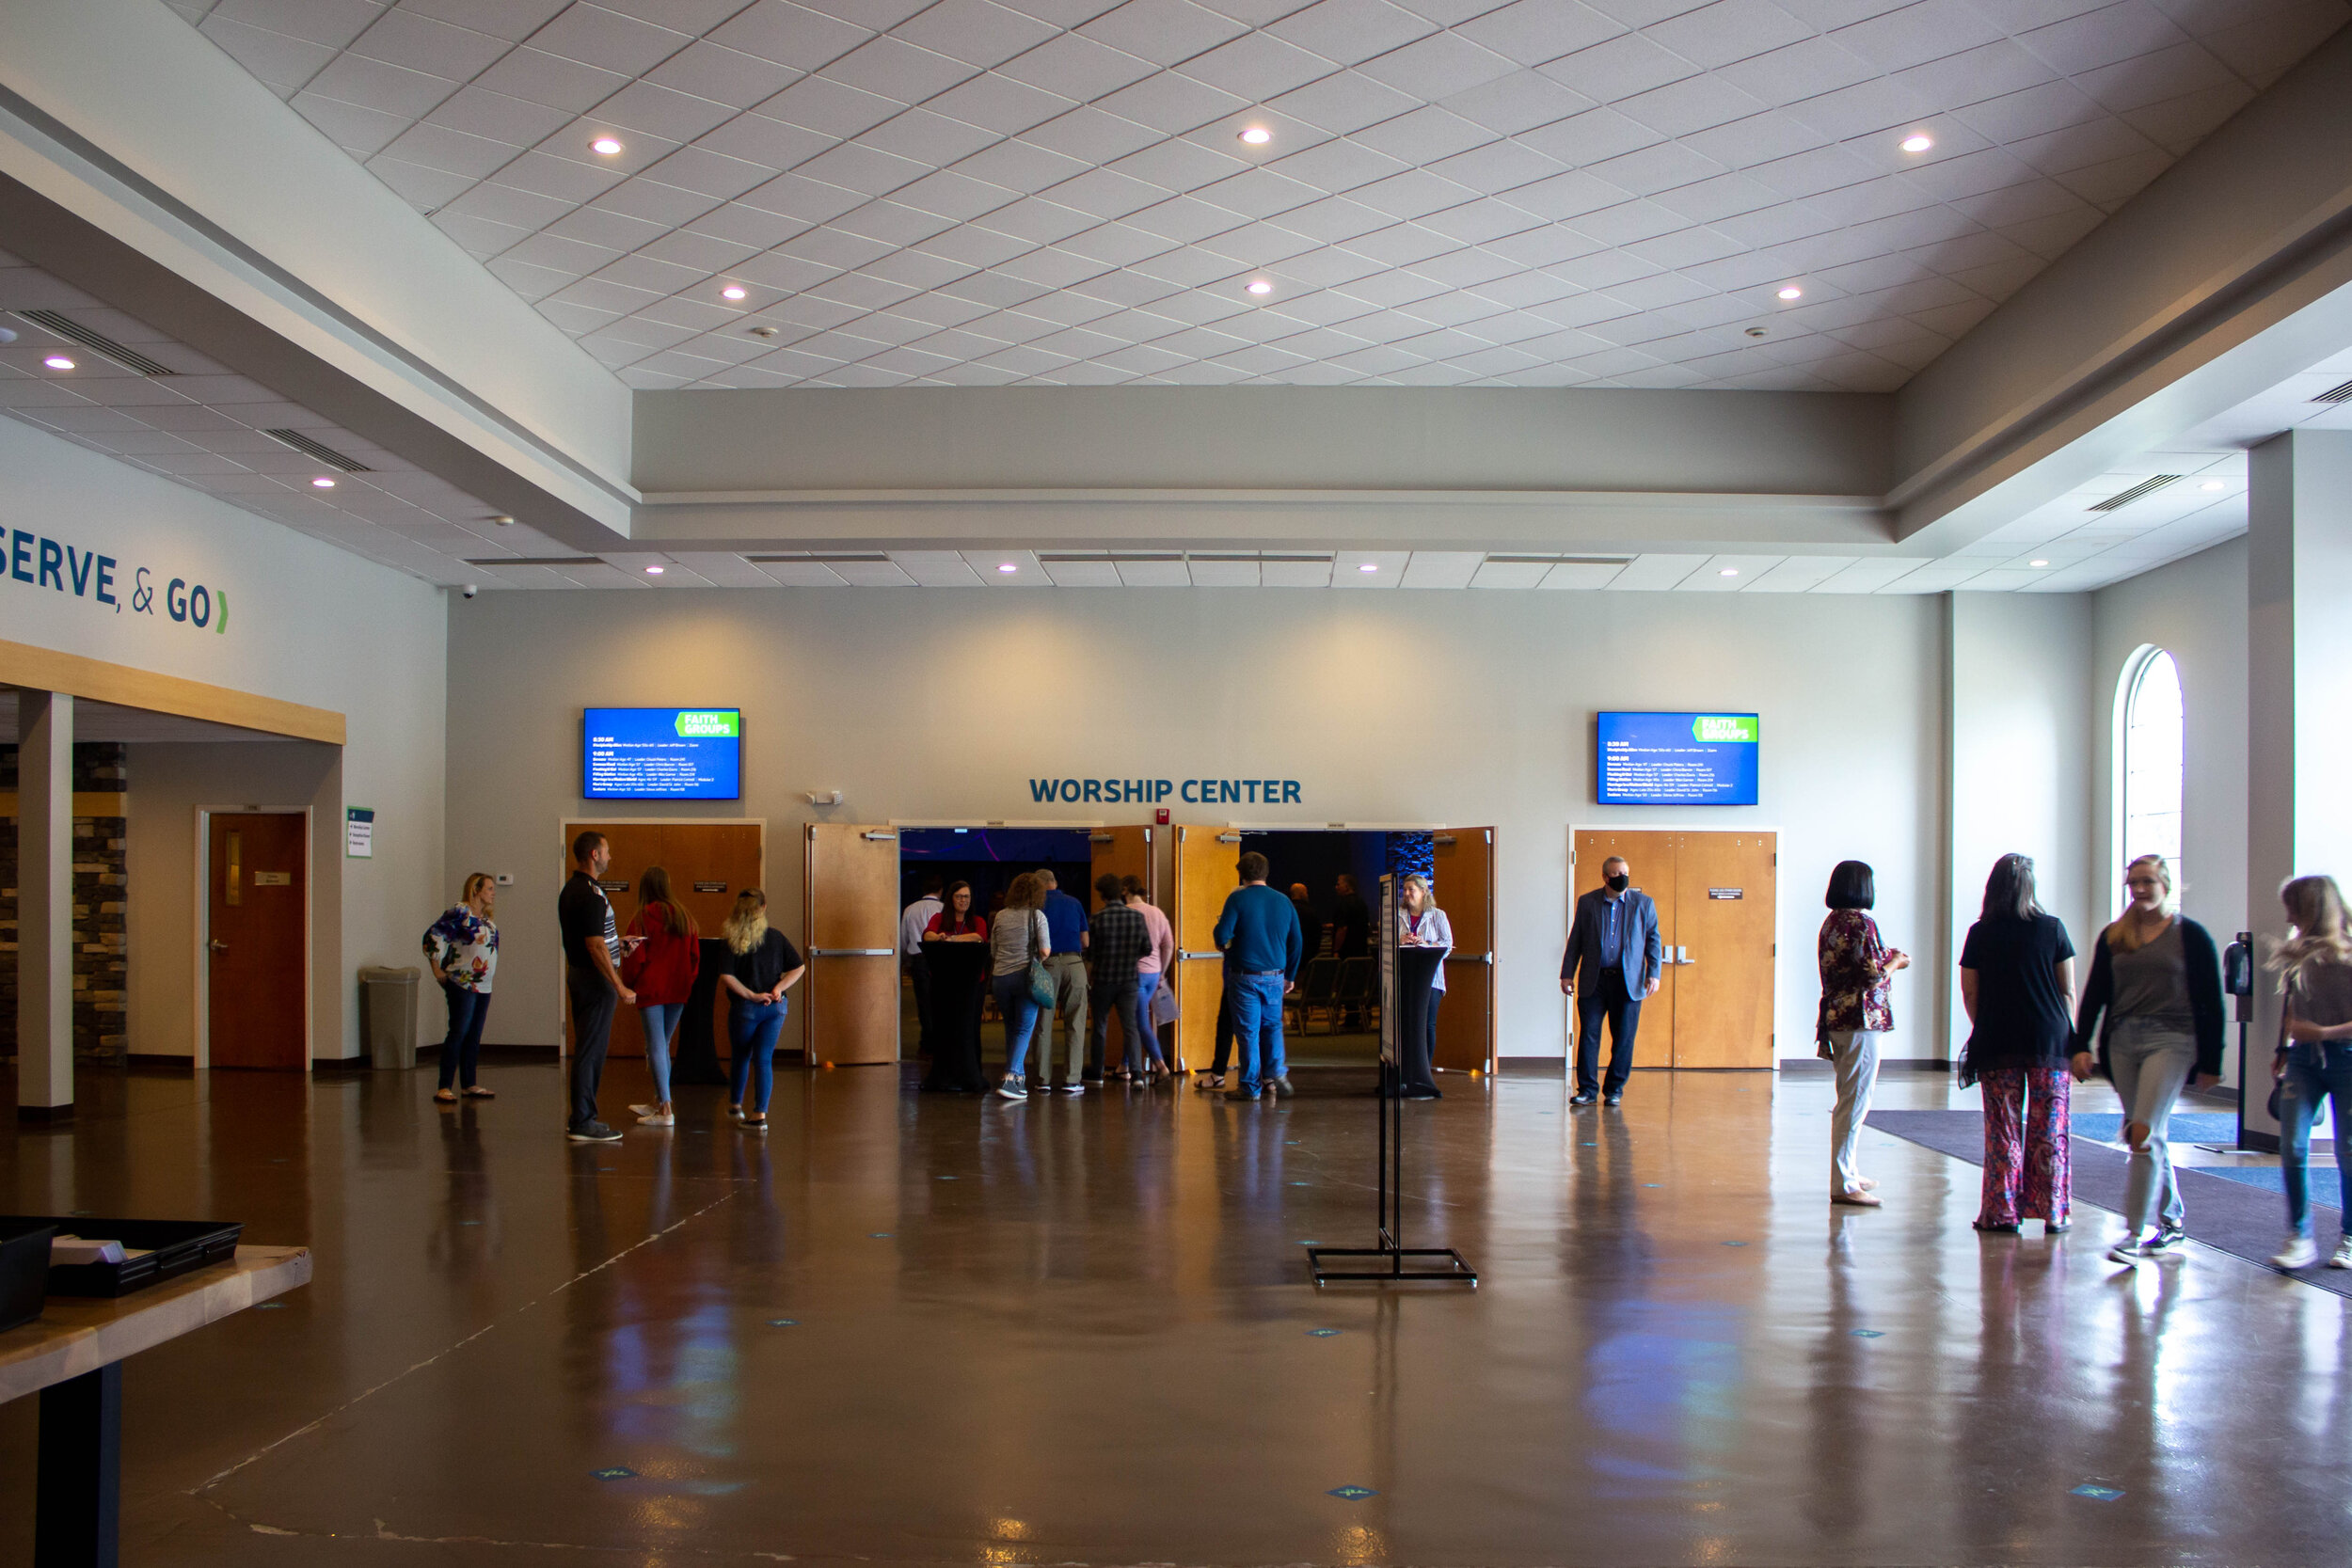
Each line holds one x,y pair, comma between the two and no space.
502,520
2212,485
1008,567
653,571
1259,286
1257,136
1728,572
2037,563
1368,566
59,362
322,483
605,147
1792,292
1918,142
733,291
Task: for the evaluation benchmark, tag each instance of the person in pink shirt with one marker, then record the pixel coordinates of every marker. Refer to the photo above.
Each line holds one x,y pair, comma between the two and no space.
1157,958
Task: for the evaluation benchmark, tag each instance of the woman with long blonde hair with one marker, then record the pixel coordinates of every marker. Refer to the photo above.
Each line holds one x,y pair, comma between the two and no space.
2313,1064
762,965
1017,938
2157,977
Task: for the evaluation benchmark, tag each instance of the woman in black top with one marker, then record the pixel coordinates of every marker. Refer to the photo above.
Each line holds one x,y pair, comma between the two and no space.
762,965
2016,980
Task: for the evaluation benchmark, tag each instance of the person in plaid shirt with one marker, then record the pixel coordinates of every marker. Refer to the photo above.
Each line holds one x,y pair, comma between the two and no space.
1116,940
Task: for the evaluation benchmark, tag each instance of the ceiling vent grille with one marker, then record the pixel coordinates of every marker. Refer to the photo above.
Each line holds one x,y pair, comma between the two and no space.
319,449
2336,394
97,343
536,561
1561,559
2122,498
820,560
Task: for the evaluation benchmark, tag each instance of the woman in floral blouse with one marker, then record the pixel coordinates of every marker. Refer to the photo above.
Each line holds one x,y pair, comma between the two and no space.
1856,970
462,947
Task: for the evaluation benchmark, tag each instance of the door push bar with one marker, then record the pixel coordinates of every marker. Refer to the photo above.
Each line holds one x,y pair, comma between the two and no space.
1212,953
852,952
1469,957
877,836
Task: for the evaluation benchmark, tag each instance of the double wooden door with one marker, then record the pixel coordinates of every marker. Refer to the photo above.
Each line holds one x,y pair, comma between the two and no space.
707,862
256,962
1715,894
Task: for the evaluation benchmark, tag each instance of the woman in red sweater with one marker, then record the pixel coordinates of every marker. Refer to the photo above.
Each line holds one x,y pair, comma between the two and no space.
662,971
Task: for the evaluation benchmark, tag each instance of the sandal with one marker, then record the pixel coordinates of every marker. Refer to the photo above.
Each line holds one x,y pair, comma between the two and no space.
1857,1197
758,1125
445,1096
1209,1082
478,1092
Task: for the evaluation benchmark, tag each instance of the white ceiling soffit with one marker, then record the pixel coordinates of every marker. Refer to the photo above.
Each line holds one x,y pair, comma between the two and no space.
1539,193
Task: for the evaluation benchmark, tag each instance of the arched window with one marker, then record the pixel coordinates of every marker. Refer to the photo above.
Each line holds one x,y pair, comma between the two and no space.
2151,733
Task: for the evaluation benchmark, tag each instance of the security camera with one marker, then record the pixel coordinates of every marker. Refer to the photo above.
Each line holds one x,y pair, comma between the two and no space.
471,589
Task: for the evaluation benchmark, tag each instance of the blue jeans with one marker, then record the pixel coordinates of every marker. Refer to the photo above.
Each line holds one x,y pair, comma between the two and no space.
2318,1070
461,1047
1012,1000
660,1020
1147,987
752,1031
1258,1027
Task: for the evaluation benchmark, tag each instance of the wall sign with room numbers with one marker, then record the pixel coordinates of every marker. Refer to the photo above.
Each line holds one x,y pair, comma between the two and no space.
1726,893
359,832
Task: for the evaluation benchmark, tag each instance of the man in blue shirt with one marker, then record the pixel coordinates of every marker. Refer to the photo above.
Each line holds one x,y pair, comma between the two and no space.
1258,935
1065,932
1610,968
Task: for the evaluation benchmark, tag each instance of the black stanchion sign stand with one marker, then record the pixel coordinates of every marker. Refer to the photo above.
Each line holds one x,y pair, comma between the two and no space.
1405,974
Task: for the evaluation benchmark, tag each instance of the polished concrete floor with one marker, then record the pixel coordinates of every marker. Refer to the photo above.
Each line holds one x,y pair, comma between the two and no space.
907,1330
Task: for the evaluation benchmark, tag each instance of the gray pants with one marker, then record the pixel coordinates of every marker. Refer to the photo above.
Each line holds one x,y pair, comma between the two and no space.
2151,1064
1855,1051
1069,971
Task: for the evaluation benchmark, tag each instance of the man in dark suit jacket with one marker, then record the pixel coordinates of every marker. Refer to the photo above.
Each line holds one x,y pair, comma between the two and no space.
1610,968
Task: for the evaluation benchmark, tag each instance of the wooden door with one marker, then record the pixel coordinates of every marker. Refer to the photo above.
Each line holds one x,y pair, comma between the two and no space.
1465,866
708,862
1651,855
1207,869
1724,926
850,921
257,912
1120,852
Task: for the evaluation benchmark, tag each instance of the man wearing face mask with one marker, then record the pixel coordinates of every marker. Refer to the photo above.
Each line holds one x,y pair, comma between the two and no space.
1610,968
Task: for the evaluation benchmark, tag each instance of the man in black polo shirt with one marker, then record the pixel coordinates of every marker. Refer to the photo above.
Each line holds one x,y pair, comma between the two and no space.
593,945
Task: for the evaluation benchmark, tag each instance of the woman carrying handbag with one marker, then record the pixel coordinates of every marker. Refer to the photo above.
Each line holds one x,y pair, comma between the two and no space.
1018,947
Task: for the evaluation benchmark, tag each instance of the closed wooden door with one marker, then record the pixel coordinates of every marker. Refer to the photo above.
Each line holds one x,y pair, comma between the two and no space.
850,924
1207,870
1465,866
1724,933
1120,852
1650,855
708,862
256,912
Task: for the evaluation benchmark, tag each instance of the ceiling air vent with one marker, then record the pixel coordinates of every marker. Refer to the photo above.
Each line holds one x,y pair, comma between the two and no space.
2122,498
536,561
97,343
2336,394
1561,559
319,449
821,559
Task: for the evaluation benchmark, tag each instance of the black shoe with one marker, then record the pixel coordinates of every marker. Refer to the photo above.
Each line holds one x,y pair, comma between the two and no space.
1583,1096
2165,1239
1994,1229
1614,1098
1422,1094
593,1132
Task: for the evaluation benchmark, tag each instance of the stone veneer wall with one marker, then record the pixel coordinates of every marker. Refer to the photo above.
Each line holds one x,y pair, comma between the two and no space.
101,945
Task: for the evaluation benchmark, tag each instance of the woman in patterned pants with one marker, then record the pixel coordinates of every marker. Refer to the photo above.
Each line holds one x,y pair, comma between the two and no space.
2017,981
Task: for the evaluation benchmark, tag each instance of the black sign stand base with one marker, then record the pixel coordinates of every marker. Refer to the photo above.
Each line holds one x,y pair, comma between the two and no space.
1405,972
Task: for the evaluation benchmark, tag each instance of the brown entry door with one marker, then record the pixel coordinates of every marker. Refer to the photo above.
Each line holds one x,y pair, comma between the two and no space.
1207,869
1464,861
708,862
1120,852
1724,936
1652,857
852,926
256,912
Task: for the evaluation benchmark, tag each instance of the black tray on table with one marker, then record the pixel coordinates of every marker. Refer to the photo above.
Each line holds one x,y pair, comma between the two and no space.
170,1248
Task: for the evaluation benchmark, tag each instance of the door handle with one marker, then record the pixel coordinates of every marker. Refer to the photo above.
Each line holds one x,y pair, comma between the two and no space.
852,952
217,946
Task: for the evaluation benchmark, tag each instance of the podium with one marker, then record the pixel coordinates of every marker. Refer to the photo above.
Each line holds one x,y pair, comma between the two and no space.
958,976
1407,975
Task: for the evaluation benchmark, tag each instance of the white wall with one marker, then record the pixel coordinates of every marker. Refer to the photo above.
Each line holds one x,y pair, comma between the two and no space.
2195,609
308,623
1464,708
2021,712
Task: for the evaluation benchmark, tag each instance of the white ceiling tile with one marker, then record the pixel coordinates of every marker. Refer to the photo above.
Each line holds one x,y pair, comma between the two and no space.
1151,570
1869,576
989,567
1369,568
1655,573
1576,574
1441,568
1229,571
1082,571
1728,573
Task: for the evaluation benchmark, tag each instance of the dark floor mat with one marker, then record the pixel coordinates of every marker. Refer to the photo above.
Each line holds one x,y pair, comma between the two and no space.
2230,1216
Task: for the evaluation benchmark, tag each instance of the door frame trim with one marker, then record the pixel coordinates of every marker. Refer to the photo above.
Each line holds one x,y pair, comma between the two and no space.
565,825
202,1056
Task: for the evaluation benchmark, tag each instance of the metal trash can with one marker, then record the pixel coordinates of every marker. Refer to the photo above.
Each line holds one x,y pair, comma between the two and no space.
388,1016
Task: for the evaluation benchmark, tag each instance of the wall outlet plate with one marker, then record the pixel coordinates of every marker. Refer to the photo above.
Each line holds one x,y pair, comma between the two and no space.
504,878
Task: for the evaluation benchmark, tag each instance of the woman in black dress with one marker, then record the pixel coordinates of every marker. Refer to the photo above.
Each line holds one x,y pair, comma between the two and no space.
955,951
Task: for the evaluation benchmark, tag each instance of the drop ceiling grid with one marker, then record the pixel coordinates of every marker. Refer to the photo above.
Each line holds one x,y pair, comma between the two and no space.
1534,192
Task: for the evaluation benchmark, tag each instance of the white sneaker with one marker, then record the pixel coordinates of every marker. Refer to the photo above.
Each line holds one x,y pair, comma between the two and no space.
2300,1252
2129,1251
2341,1257
656,1118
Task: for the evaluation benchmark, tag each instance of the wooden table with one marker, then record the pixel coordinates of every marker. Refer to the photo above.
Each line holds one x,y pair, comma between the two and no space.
72,1357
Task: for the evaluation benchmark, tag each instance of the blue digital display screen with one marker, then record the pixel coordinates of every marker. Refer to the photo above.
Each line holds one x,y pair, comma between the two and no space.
1676,759
662,754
